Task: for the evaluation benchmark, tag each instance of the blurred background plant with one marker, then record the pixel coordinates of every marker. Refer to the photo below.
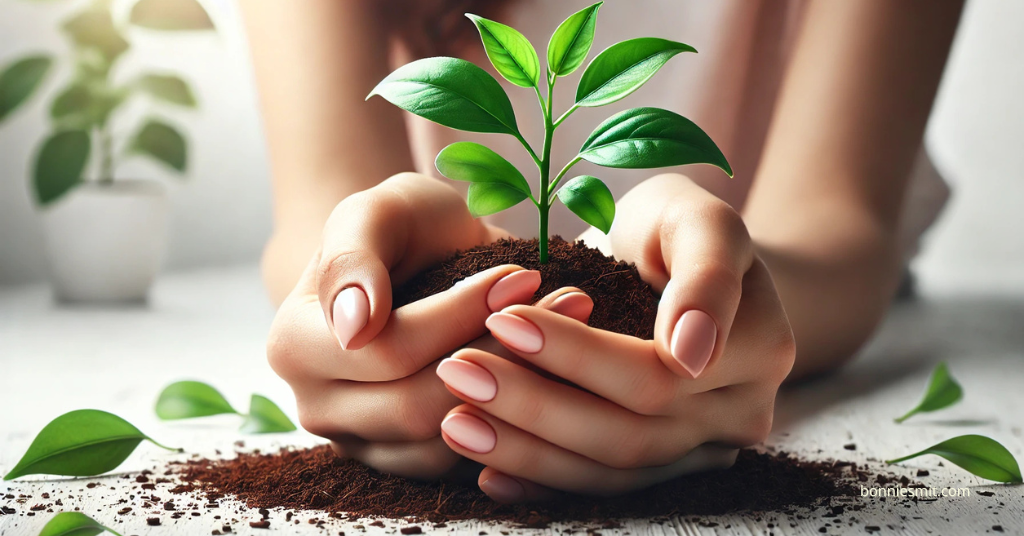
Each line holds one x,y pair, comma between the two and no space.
80,112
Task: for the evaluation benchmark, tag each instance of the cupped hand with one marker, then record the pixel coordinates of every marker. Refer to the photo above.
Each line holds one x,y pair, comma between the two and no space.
643,411
362,373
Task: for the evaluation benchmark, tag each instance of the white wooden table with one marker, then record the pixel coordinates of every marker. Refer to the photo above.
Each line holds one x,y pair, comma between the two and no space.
211,326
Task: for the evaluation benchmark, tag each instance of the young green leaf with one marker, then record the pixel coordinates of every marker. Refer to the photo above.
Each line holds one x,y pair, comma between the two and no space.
571,42
74,524
265,417
59,164
73,101
168,88
943,391
509,51
651,138
980,455
84,442
591,200
162,142
623,67
496,183
19,80
452,92
95,28
187,399
170,15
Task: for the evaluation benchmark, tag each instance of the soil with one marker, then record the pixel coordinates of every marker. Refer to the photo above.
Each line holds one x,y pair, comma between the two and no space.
316,479
623,302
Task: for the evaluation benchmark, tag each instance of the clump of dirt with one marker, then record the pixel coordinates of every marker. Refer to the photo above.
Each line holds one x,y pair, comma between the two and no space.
316,479
623,302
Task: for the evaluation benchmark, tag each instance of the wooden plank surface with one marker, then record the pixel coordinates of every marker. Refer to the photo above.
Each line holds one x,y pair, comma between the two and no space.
211,326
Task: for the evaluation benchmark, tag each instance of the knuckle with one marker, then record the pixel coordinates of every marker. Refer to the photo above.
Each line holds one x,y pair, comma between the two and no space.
392,357
315,422
284,352
650,401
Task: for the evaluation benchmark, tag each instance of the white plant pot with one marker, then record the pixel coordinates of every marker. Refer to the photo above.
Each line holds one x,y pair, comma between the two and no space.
106,242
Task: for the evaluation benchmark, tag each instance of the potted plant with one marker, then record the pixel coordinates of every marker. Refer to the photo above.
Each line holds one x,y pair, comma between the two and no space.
104,233
458,94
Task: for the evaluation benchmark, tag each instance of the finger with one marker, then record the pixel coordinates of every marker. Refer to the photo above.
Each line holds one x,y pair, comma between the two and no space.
562,415
415,335
507,489
375,239
706,251
426,460
479,436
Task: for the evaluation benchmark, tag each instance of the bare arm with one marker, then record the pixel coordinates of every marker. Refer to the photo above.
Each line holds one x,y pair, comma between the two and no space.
826,201
314,64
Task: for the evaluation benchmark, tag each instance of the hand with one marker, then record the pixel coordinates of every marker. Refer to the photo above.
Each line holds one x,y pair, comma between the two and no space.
364,378
647,411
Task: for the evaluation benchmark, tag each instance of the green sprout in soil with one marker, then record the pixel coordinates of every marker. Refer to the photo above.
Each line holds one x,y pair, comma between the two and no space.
460,95
189,399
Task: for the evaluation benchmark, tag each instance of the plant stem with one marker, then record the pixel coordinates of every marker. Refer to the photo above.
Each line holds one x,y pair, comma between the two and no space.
106,156
545,172
565,115
558,178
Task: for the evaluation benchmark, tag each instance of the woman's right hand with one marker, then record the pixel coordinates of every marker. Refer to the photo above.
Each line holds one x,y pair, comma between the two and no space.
363,375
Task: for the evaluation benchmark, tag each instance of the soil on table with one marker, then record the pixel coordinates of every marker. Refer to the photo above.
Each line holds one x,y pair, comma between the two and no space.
623,302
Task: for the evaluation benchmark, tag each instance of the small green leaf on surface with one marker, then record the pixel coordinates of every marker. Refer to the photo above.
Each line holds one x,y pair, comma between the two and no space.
571,42
168,88
980,455
943,391
187,399
496,183
509,51
162,142
94,28
170,15
59,164
85,442
623,67
265,417
452,92
73,524
591,200
19,80
651,138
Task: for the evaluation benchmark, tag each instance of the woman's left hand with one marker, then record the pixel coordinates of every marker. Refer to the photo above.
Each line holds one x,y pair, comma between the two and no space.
645,411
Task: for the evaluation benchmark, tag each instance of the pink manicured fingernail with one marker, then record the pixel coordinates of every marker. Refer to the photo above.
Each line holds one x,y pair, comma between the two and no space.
516,332
468,378
517,287
351,311
693,341
503,489
573,305
470,432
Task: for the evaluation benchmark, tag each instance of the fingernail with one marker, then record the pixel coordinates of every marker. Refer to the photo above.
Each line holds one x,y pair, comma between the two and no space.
517,287
468,378
351,311
470,432
503,489
693,340
515,332
573,305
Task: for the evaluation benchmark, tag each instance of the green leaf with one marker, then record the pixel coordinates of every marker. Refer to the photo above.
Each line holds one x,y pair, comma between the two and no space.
452,92
265,417
84,442
94,28
19,80
591,200
59,164
623,67
496,183
943,391
571,42
170,15
73,524
187,399
74,101
509,51
162,142
980,455
651,138
168,88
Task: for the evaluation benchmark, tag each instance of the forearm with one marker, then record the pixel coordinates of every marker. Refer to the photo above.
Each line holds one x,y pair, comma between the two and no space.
314,65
